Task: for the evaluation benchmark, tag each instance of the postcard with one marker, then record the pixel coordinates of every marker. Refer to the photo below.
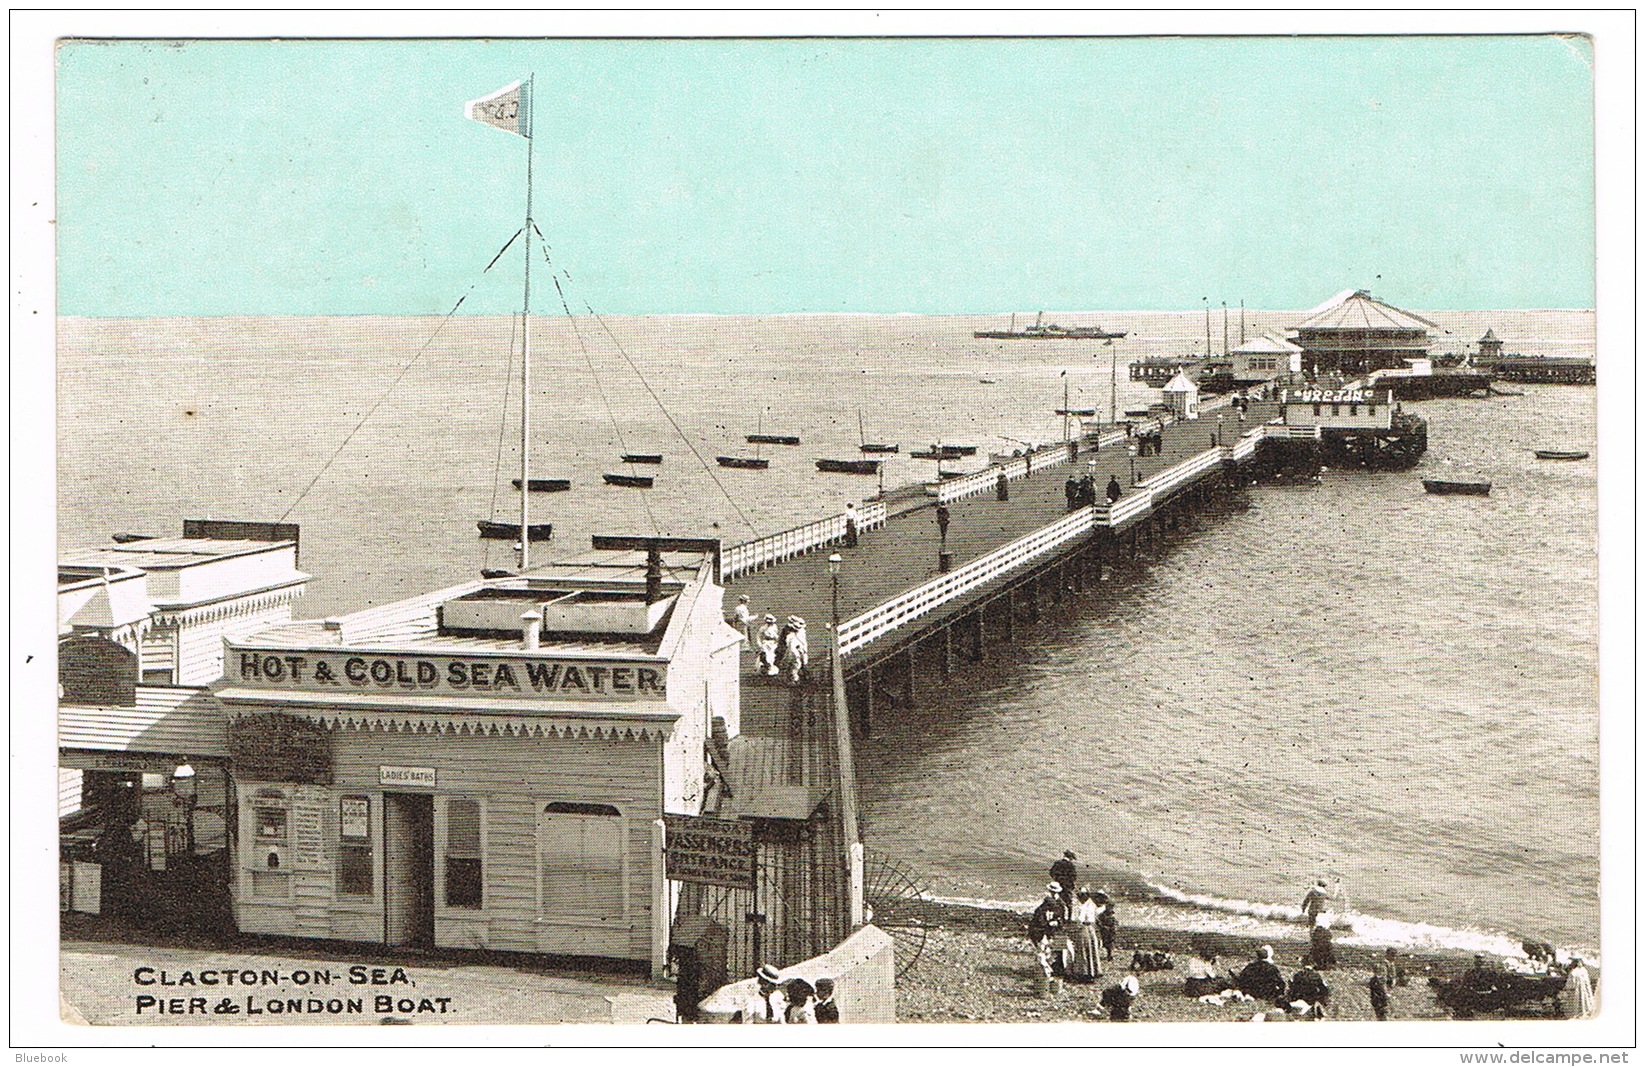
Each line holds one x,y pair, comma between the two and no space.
1088,538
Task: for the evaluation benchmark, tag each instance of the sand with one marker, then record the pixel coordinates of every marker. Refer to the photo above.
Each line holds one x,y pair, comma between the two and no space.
977,966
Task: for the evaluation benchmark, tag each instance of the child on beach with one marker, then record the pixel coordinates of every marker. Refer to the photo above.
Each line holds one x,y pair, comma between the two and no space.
1108,924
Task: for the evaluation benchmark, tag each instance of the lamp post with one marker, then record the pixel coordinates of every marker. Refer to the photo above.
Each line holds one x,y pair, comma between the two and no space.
187,788
1219,429
834,582
945,559
1131,451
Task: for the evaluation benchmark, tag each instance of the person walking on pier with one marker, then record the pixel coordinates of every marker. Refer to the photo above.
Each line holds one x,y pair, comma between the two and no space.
1072,491
745,619
768,646
796,650
1114,490
850,524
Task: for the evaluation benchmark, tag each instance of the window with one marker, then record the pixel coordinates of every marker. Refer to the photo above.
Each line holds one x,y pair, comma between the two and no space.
158,677
464,873
1353,409
1371,410
1316,409
354,840
582,861
1336,409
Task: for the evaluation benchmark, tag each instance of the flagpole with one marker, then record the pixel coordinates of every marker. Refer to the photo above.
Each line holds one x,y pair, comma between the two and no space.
525,362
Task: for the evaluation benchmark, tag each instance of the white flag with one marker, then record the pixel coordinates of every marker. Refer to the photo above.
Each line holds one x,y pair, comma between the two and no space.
508,109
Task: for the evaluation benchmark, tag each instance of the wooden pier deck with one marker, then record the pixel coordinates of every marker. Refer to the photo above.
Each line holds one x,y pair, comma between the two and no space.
902,553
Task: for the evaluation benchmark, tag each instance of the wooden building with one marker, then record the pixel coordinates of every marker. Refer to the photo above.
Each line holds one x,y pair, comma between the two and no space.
1338,409
141,624
486,766
1353,333
172,600
1267,358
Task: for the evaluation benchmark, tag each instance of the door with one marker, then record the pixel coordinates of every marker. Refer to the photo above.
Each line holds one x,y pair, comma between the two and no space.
408,869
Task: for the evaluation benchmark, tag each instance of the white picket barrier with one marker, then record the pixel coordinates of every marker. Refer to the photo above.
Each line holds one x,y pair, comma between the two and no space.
922,599
752,555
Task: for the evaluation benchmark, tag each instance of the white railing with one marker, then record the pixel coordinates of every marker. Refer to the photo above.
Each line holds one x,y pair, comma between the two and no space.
922,599
740,559
988,479
1124,511
1128,509
1166,480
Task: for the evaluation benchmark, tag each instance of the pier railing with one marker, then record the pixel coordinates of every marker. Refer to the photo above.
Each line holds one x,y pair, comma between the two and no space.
752,555
927,597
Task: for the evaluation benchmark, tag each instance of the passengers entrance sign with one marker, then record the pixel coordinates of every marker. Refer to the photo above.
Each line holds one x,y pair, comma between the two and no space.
710,851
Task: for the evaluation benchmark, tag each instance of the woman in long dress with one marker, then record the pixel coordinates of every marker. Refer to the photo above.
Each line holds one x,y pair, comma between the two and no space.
1580,988
1084,966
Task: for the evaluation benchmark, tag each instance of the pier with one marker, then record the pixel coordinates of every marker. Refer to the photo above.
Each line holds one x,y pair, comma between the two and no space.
899,609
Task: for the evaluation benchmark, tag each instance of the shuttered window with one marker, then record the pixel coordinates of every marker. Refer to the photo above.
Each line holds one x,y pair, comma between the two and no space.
582,861
464,859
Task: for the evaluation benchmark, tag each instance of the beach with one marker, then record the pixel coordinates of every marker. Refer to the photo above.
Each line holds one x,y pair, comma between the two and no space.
978,966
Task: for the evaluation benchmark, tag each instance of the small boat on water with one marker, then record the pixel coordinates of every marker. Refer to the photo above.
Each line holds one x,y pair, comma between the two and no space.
629,481
989,381
849,466
1043,331
495,572
746,463
547,485
652,458
510,531
865,445
1082,413
1451,488
771,439
1549,453
128,538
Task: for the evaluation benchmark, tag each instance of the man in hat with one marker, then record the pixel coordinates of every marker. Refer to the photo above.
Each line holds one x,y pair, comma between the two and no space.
1261,979
767,1004
1065,874
1114,490
745,619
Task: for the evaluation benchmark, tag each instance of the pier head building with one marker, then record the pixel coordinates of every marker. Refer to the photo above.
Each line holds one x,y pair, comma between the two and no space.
482,767
1353,334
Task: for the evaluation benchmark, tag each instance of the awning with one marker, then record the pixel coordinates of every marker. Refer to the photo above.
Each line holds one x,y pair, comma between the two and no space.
164,722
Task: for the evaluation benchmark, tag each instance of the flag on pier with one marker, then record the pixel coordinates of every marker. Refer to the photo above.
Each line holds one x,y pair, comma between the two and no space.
508,109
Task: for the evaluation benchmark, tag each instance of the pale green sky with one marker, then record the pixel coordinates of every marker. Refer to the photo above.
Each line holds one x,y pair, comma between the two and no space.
745,176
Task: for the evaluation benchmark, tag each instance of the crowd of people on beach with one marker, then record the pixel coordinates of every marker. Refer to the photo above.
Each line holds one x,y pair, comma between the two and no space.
1073,933
784,650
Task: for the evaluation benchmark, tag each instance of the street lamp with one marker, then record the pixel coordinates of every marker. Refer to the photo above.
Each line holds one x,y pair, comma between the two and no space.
186,786
834,581
1219,429
1131,451
945,559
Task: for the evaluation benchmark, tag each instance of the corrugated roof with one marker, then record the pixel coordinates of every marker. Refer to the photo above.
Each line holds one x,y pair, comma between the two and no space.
1357,309
313,634
173,721
1490,335
1179,383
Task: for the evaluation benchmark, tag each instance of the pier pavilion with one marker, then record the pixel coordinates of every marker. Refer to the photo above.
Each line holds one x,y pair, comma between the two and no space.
1354,333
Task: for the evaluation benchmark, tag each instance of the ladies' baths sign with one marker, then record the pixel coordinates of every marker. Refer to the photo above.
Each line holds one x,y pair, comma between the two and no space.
448,675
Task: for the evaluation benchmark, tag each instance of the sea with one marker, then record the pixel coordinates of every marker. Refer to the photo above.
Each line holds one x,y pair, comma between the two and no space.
1352,681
